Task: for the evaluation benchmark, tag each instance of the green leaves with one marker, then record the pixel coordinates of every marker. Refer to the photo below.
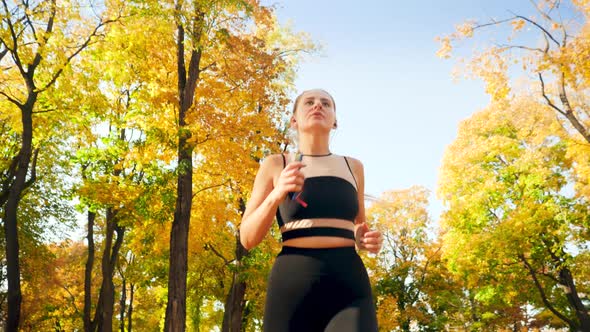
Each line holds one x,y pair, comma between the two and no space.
522,211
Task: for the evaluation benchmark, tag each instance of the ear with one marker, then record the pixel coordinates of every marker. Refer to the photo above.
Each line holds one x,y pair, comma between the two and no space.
293,122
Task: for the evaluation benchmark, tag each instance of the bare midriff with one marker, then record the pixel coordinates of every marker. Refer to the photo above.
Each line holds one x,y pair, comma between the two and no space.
319,241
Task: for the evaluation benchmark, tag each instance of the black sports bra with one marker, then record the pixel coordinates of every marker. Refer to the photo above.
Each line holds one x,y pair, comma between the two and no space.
329,191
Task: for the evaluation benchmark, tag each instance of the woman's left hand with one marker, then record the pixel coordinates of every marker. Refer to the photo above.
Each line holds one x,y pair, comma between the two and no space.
366,239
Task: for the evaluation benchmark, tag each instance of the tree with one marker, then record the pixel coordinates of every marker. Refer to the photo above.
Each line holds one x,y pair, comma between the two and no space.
40,47
150,145
558,63
413,289
509,222
236,73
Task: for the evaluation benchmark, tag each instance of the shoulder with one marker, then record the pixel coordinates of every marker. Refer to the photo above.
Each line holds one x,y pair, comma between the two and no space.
270,167
355,164
357,168
274,158
272,162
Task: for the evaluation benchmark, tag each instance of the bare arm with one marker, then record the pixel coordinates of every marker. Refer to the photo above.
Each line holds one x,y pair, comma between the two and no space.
266,197
365,238
359,174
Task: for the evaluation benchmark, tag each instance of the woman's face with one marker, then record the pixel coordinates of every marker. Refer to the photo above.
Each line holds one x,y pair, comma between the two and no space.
314,112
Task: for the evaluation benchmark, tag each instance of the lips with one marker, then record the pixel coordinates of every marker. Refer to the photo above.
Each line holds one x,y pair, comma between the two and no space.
316,114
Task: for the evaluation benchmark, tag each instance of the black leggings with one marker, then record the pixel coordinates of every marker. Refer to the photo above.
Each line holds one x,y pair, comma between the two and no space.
319,290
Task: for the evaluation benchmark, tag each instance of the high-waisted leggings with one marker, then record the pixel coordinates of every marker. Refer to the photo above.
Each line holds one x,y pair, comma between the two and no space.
323,289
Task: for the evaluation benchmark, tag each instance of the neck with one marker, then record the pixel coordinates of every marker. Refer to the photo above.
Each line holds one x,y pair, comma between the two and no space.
314,144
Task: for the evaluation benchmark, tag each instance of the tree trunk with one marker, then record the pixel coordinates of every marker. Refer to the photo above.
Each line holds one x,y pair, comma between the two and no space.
176,307
122,306
104,323
88,273
11,211
131,293
573,298
12,258
106,298
17,179
234,303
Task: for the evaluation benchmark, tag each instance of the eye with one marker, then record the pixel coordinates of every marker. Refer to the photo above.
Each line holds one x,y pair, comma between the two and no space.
326,104
309,102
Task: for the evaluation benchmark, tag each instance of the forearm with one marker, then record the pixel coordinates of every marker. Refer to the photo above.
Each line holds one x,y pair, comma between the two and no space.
255,226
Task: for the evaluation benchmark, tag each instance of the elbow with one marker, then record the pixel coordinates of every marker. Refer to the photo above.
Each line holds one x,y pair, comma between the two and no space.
246,240
245,243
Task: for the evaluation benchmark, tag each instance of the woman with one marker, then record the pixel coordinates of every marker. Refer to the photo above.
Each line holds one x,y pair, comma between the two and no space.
318,281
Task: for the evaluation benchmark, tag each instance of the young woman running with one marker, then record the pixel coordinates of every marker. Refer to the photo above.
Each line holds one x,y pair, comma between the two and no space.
318,281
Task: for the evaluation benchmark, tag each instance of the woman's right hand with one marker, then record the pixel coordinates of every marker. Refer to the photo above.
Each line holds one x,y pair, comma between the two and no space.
269,190
290,180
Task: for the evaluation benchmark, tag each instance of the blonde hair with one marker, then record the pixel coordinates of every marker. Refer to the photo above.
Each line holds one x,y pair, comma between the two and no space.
302,93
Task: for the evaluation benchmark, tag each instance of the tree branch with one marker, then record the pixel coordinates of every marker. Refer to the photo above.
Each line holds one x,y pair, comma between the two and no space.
78,50
545,15
46,111
549,102
14,36
540,27
569,112
118,242
212,64
543,295
423,276
12,100
46,36
209,246
550,277
210,187
556,259
533,49
546,49
207,137
28,21
10,175
4,51
72,300
494,22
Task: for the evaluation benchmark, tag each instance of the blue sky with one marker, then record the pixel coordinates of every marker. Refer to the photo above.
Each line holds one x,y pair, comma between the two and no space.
397,104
